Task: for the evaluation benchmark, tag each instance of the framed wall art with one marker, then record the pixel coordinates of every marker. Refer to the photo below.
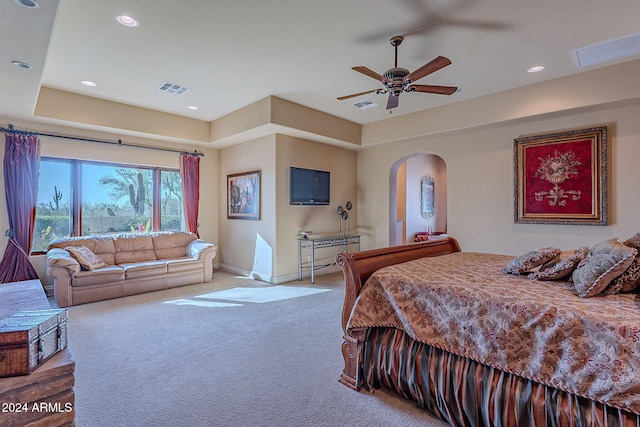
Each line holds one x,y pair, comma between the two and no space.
243,195
561,178
427,197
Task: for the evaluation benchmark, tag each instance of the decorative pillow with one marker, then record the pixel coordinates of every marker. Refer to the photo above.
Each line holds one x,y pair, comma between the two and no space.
532,259
86,258
633,241
629,280
605,261
562,266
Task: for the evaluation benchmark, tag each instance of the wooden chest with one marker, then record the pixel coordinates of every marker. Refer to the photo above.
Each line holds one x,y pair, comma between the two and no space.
29,338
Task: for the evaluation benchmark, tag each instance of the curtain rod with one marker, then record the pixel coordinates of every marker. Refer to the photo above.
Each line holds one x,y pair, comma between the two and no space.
11,129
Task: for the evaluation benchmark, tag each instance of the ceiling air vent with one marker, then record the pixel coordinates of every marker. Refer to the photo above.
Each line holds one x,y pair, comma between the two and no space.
173,88
367,103
606,51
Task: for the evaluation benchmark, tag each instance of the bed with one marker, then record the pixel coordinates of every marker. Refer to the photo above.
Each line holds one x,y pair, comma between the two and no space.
478,347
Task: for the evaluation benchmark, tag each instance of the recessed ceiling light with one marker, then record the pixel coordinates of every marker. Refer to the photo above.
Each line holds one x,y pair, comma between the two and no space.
88,83
127,21
27,3
536,69
193,108
21,64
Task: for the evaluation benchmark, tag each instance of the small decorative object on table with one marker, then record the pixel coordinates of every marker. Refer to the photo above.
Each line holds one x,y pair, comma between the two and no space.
29,338
344,216
423,236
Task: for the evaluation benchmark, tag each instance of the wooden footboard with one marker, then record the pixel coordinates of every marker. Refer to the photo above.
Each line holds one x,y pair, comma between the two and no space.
357,267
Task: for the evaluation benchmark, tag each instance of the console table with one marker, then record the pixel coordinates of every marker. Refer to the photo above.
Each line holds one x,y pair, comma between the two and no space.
311,243
45,397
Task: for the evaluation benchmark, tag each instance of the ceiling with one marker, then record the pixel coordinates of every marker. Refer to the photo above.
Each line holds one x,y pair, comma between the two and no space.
234,53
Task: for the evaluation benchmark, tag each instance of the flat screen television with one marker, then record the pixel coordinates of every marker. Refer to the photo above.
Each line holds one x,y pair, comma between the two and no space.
309,186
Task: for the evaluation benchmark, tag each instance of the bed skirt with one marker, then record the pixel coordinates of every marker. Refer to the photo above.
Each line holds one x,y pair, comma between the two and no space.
463,392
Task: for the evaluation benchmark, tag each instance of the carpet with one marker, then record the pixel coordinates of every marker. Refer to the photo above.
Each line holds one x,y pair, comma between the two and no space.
231,352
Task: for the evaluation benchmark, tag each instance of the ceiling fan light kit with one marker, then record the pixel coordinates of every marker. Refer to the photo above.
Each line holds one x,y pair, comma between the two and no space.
397,79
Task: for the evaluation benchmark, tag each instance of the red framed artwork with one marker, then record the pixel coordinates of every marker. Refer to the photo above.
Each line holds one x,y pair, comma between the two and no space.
561,178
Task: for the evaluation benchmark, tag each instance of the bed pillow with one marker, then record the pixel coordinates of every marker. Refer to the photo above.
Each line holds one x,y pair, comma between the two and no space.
629,280
527,262
86,258
562,266
605,261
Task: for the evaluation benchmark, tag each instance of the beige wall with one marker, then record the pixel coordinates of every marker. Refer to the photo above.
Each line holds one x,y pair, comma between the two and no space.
341,163
417,167
267,249
480,195
248,246
399,236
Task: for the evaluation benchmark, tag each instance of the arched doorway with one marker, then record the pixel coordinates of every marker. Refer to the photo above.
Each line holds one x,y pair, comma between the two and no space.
412,180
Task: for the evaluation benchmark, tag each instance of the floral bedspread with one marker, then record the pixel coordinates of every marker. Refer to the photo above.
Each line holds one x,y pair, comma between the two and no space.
539,330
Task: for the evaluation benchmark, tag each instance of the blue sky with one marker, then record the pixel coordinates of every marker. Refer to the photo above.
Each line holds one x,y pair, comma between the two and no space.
54,174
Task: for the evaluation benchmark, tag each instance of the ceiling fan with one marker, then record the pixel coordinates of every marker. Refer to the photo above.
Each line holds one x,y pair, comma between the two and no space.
397,79
427,19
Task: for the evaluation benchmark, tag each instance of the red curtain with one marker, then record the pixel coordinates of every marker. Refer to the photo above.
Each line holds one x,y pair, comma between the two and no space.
190,173
21,167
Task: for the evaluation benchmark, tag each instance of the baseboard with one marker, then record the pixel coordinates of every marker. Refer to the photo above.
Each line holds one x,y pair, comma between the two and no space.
276,280
245,273
48,290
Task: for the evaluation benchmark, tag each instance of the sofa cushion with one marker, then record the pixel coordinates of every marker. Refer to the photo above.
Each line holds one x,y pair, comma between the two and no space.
183,264
133,248
135,270
102,246
171,244
110,273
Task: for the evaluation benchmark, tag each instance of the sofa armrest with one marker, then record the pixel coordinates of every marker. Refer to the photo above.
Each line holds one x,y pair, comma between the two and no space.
199,249
205,252
62,267
60,258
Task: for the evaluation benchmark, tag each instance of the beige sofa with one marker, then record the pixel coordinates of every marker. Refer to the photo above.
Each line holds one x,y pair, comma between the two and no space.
126,264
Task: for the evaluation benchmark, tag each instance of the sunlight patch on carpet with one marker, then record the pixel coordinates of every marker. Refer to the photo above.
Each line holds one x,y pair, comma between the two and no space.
202,303
261,295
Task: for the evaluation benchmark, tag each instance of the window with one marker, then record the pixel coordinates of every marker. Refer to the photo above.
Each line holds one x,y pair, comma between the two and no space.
171,218
89,198
54,213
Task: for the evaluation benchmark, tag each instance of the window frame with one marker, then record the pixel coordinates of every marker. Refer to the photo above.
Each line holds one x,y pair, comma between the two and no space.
76,189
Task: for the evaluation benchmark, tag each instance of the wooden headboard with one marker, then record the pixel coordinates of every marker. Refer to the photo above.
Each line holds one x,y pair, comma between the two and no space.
358,266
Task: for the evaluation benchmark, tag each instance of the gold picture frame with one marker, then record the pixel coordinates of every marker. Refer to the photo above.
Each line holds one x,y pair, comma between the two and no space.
561,178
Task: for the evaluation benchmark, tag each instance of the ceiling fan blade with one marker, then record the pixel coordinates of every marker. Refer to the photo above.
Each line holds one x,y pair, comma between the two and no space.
393,101
442,90
428,68
426,19
355,94
368,72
